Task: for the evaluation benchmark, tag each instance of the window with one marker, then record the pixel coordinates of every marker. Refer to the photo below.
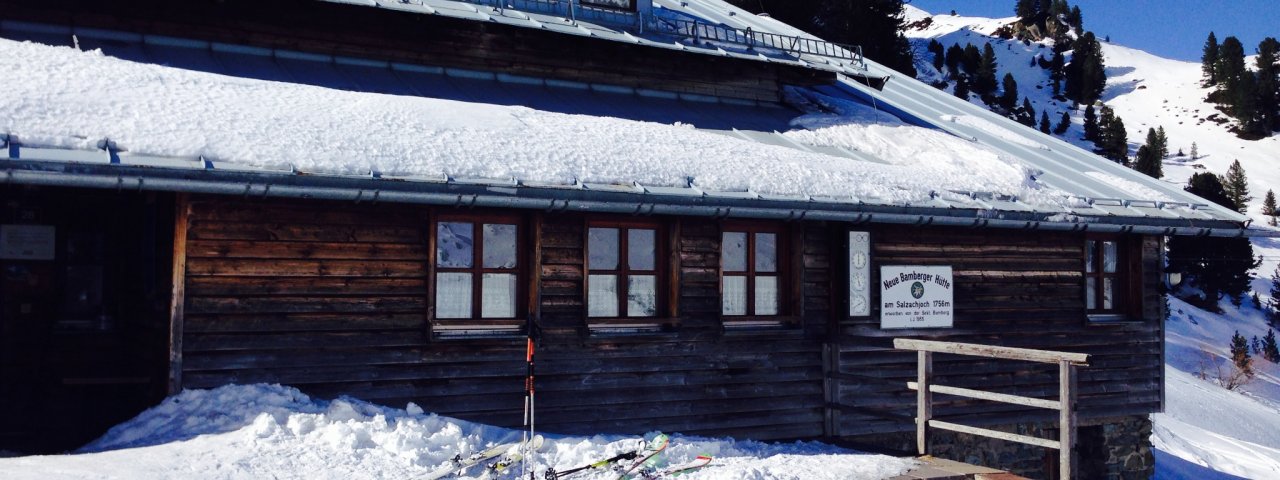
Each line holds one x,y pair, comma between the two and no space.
1104,276
477,271
750,282
624,270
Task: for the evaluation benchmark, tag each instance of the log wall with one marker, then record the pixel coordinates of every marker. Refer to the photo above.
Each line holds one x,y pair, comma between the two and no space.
333,298
1017,289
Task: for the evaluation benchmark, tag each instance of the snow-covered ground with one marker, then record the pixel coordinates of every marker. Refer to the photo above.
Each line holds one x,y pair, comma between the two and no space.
1206,431
269,431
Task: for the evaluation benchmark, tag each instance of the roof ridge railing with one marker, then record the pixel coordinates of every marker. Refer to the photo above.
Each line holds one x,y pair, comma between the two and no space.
693,29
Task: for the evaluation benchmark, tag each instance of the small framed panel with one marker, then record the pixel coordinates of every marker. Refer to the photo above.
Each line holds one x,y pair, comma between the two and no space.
859,274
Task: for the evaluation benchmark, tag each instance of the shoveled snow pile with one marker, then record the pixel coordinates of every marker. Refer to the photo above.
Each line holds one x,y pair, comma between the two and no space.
269,431
58,96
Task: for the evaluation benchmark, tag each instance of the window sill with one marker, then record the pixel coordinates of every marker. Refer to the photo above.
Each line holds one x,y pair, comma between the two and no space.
631,325
766,324
499,330
1104,319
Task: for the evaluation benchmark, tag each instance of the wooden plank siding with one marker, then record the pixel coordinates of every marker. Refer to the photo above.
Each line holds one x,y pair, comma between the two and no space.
1012,288
333,298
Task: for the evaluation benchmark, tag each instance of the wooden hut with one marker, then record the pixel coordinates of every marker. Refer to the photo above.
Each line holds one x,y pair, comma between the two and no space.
671,307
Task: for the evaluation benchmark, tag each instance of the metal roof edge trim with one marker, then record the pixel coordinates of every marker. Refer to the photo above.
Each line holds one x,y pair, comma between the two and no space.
360,189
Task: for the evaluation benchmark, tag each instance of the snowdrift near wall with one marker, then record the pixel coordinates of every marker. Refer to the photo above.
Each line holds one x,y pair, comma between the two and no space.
270,431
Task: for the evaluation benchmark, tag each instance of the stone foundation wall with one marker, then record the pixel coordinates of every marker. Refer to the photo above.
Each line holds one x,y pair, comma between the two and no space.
1117,448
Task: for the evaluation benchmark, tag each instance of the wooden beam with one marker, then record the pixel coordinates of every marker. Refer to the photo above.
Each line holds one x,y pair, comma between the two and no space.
991,396
924,401
177,298
534,308
673,269
989,351
1067,421
986,432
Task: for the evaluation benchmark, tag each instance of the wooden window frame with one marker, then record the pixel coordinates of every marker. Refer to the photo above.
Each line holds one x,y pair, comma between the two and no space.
783,259
1126,297
476,323
660,272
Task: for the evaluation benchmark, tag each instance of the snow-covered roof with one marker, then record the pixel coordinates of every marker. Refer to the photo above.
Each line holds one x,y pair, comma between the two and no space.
904,154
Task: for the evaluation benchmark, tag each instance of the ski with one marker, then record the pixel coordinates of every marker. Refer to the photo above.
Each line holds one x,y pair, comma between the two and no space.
552,474
512,457
655,447
677,470
458,465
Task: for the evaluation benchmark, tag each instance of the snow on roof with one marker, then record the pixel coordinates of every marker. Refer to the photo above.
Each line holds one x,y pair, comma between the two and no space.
65,98
270,431
907,145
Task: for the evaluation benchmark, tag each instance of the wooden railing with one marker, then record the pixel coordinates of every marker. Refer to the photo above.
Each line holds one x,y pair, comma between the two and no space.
1065,405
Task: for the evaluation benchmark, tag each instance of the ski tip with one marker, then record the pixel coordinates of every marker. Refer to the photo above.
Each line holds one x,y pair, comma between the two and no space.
704,458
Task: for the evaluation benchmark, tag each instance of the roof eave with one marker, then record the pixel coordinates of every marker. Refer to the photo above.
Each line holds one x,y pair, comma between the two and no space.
360,189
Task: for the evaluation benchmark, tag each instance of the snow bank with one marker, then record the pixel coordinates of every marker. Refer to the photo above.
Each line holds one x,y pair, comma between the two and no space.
57,96
269,431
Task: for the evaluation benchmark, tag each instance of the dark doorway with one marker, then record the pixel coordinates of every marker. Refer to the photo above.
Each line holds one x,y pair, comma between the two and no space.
84,299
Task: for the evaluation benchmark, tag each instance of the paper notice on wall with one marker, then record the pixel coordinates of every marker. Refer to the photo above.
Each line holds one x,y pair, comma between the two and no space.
916,297
27,242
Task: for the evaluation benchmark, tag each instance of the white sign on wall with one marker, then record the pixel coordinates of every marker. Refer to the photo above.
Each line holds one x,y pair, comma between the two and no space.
27,242
915,297
859,274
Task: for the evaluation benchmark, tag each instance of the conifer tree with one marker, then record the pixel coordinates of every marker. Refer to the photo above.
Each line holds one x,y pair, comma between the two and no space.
1273,303
1195,151
1086,74
972,60
1113,140
1219,266
1255,345
1268,66
1269,207
1091,124
939,55
1075,18
1229,72
962,88
1027,116
1162,143
1143,162
1063,124
1148,160
1236,186
1270,351
955,56
1059,7
1025,9
1247,108
1044,122
1009,93
1209,60
985,82
1240,354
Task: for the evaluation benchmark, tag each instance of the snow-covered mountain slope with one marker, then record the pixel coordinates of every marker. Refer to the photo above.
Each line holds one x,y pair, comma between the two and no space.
269,431
1145,90
1206,431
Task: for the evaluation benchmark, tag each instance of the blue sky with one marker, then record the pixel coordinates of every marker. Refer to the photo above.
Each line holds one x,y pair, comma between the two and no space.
1168,28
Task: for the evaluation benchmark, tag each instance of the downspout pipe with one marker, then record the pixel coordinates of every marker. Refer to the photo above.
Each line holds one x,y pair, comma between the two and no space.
294,186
